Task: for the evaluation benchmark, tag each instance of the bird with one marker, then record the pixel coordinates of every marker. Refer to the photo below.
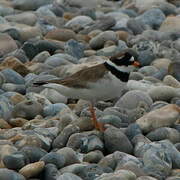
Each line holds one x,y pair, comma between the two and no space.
100,82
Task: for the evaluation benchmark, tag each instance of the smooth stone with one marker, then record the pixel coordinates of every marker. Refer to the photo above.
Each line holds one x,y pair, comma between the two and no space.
5,109
50,172
146,178
32,169
54,158
29,5
157,164
38,98
2,79
81,21
68,176
12,76
143,6
103,24
164,133
4,124
5,10
171,24
148,70
10,174
162,117
53,96
61,140
41,57
71,157
136,76
171,81
173,70
17,122
163,93
28,18
98,41
14,161
120,174
93,156
45,11
132,131
74,48
111,119
85,143
16,65
53,109
61,35
131,99
113,135
153,17
141,85
20,88
173,178
27,109
161,63
17,98
8,44
84,126
28,32
33,154
60,59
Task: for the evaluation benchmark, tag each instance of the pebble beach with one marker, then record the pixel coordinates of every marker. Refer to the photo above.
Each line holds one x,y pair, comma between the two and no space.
47,136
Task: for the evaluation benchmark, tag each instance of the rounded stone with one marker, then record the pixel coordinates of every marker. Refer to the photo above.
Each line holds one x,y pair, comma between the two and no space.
27,109
93,156
41,57
131,99
61,34
68,176
54,158
12,76
71,157
162,117
6,174
98,41
171,81
32,169
10,87
173,70
116,140
164,133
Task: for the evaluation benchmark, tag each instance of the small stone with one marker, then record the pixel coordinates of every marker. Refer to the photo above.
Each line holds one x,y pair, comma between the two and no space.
148,70
12,76
163,117
162,93
7,44
171,81
150,18
17,122
161,63
171,24
27,109
61,35
16,65
69,176
4,124
32,169
116,140
131,99
10,87
164,133
41,57
61,140
146,178
54,158
98,41
71,157
28,18
93,156
10,174
74,48
50,172
173,70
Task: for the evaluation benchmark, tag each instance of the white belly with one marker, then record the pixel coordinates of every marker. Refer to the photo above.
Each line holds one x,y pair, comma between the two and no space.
107,88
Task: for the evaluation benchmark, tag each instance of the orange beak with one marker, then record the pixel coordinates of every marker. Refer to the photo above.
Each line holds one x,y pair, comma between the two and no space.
136,64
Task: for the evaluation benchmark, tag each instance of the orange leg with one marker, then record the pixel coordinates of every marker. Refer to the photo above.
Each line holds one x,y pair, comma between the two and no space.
97,125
